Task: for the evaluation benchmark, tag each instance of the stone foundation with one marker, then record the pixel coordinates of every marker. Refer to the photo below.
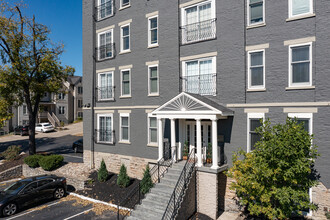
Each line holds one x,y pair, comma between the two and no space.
11,173
135,165
321,197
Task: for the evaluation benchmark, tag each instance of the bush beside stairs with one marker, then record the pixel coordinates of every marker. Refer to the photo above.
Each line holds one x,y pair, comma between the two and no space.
155,203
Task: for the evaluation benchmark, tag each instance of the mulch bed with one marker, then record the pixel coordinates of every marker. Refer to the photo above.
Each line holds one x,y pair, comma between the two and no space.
109,191
10,164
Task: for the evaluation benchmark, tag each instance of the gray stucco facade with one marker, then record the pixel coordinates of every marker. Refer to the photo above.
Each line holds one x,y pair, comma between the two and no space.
233,38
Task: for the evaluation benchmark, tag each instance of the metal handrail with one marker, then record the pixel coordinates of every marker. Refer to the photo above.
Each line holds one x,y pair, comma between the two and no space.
104,10
203,84
198,31
105,93
159,168
176,198
106,51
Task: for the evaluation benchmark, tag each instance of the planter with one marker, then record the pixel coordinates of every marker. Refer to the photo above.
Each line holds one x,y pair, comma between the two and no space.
208,160
185,157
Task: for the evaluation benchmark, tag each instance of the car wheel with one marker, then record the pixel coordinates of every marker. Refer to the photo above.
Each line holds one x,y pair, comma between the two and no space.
59,193
75,149
9,209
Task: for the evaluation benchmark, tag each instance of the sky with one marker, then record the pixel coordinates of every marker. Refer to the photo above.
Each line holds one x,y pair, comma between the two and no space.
64,18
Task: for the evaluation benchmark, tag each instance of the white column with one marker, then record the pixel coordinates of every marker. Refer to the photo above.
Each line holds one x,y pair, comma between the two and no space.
160,139
173,140
181,141
215,159
199,143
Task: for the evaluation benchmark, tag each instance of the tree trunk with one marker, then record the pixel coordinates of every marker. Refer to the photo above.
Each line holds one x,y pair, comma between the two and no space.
32,133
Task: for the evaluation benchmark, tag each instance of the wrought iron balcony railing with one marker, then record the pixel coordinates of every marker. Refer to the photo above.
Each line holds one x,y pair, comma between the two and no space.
203,84
104,10
104,136
199,31
105,52
105,93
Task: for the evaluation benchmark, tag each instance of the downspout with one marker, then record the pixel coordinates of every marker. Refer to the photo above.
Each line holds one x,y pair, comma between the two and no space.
245,58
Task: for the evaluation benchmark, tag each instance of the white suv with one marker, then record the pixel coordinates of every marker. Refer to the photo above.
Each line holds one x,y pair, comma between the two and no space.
44,127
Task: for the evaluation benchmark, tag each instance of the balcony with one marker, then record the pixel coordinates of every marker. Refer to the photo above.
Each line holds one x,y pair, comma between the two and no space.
104,11
105,52
199,31
203,84
105,93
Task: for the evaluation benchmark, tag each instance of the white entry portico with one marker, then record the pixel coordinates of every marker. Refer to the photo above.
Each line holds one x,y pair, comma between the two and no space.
197,118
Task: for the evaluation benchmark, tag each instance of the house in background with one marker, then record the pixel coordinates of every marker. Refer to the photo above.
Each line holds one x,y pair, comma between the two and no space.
203,72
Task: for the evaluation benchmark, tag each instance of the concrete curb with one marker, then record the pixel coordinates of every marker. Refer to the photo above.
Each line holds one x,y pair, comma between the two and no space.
12,180
98,201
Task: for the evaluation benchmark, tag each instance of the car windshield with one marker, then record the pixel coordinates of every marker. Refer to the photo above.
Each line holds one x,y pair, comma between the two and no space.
47,124
16,187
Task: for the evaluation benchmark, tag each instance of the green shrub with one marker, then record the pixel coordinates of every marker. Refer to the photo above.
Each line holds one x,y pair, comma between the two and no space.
146,183
123,178
185,149
12,152
33,160
102,174
327,214
51,162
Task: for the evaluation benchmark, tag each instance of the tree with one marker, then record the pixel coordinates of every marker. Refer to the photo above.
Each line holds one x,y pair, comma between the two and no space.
146,182
102,174
30,63
274,179
123,178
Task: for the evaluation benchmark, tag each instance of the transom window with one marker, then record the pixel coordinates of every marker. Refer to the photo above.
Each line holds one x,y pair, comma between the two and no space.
105,86
256,71
125,38
104,9
254,121
153,80
153,31
124,127
256,11
300,65
152,130
300,7
105,45
199,76
105,125
125,83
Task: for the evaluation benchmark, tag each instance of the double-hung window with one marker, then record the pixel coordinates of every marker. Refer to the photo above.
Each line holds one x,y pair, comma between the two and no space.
61,96
80,103
256,11
124,127
254,121
199,22
153,80
125,38
152,131
199,76
105,45
153,31
124,3
61,110
300,67
105,126
105,86
105,9
300,7
256,69
80,90
126,82
24,110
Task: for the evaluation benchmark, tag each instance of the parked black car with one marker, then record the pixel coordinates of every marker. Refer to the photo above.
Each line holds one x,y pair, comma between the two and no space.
29,191
78,146
21,130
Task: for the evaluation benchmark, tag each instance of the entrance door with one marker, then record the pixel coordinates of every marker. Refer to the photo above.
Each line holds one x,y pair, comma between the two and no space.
191,135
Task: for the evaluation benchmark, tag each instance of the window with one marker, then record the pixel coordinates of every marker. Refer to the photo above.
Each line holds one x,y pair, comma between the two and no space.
30,188
61,110
124,127
125,83
125,38
256,69
80,103
153,80
105,9
24,110
80,115
105,86
105,125
105,45
44,182
153,31
80,90
300,69
124,3
25,122
199,22
152,130
256,12
300,7
253,123
61,96
199,76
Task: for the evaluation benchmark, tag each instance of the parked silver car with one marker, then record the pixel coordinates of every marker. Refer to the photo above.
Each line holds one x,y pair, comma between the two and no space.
44,127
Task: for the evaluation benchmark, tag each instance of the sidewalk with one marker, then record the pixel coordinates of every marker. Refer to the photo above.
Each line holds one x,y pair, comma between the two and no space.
230,216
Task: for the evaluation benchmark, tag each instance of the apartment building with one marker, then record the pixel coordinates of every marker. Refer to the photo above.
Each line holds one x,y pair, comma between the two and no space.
202,72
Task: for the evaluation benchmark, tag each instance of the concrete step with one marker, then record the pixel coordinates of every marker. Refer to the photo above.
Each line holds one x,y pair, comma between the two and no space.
157,197
161,206
144,215
169,182
150,209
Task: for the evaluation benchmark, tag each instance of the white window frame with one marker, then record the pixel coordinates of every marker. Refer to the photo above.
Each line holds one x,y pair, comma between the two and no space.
121,83
98,127
291,84
149,81
121,38
300,15
25,112
99,85
98,43
61,110
148,125
80,90
61,96
112,10
126,115
149,32
252,116
124,6
80,114
263,13
249,69
81,102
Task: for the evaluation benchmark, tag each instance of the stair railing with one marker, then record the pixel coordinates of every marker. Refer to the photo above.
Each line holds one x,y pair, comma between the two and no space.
175,201
56,119
51,120
159,169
